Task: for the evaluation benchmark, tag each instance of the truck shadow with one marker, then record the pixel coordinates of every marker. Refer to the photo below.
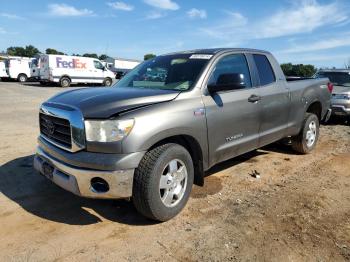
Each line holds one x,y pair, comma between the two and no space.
37,195
339,120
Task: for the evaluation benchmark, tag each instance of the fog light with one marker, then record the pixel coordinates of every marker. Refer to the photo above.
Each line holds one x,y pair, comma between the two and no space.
99,185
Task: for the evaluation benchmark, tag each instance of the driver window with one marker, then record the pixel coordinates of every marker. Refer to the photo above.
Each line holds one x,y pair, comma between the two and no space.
231,64
98,65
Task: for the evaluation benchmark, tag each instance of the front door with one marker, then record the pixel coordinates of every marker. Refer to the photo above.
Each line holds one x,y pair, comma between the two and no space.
98,72
233,117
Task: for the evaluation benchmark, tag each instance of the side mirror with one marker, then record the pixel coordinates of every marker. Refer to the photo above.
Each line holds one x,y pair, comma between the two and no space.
227,82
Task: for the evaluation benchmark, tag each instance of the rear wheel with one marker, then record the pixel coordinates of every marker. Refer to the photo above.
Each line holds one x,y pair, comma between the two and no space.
306,141
65,82
163,182
22,78
107,82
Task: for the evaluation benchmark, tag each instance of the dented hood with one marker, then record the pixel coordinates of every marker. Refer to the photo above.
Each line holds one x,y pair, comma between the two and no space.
101,103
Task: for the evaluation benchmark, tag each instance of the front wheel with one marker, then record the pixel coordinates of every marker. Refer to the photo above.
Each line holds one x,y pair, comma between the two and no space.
65,82
163,182
107,82
307,139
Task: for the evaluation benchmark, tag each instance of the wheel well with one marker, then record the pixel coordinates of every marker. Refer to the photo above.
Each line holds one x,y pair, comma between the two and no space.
21,74
66,77
195,151
315,108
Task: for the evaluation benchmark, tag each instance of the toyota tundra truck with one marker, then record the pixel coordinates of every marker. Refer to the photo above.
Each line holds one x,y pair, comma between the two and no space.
150,139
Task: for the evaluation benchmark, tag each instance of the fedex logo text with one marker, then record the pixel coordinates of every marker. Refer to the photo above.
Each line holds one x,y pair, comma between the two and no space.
74,63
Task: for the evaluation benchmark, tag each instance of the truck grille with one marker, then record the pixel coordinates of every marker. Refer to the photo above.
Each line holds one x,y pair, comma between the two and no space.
56,129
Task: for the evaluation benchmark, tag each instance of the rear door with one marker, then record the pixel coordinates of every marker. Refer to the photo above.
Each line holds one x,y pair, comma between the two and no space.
232,119
275,101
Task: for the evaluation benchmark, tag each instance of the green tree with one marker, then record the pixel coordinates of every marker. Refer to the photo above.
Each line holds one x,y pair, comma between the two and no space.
148,56
299,70
31,51
91,55
51,51
28,51
103,57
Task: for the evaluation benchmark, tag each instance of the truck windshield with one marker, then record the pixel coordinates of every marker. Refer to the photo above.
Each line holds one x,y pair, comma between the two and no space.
337,78
172,72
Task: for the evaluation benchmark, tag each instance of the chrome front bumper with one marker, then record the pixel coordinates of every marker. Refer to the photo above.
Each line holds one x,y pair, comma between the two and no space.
78,181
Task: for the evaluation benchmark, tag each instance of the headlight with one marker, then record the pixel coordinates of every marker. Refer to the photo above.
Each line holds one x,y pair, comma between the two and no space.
107,130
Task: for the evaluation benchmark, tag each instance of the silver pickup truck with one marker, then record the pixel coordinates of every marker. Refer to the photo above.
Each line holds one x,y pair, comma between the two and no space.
155,133
340,78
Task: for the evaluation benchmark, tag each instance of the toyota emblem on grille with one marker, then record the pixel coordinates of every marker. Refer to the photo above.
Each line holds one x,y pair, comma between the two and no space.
50,126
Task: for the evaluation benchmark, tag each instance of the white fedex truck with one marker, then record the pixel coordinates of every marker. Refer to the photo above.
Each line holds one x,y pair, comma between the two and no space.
67,70
18,68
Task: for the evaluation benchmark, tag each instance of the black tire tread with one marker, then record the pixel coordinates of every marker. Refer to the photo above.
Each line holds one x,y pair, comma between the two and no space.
297,141
105,80
141,180
65,77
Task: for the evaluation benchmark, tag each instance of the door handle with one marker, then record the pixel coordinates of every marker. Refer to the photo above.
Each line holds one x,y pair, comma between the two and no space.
254,99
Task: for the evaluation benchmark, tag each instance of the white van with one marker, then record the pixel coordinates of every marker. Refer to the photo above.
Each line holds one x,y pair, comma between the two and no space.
3,73
67,70
18,68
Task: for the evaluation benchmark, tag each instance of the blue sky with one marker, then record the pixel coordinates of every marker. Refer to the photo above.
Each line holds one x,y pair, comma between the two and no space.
299,31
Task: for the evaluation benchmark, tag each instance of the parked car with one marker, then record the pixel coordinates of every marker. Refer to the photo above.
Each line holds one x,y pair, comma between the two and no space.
18,68
67,70
152,139
3,73
341,92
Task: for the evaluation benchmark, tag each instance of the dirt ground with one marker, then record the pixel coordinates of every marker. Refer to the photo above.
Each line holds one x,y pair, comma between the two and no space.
299,210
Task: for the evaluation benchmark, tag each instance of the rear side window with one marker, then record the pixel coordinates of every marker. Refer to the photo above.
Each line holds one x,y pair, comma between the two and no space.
266,74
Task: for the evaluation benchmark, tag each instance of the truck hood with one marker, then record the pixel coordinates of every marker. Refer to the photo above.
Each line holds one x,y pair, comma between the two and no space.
102,103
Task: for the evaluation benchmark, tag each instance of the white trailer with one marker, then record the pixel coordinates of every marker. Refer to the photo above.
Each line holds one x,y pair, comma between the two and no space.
66,70
120,66
127,64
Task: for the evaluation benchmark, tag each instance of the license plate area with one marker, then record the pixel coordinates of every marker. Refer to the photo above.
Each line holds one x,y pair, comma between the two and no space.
48,170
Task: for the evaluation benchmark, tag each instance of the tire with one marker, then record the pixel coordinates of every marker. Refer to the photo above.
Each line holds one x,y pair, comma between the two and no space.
159,200
22,78
107,82
65,82
307,139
